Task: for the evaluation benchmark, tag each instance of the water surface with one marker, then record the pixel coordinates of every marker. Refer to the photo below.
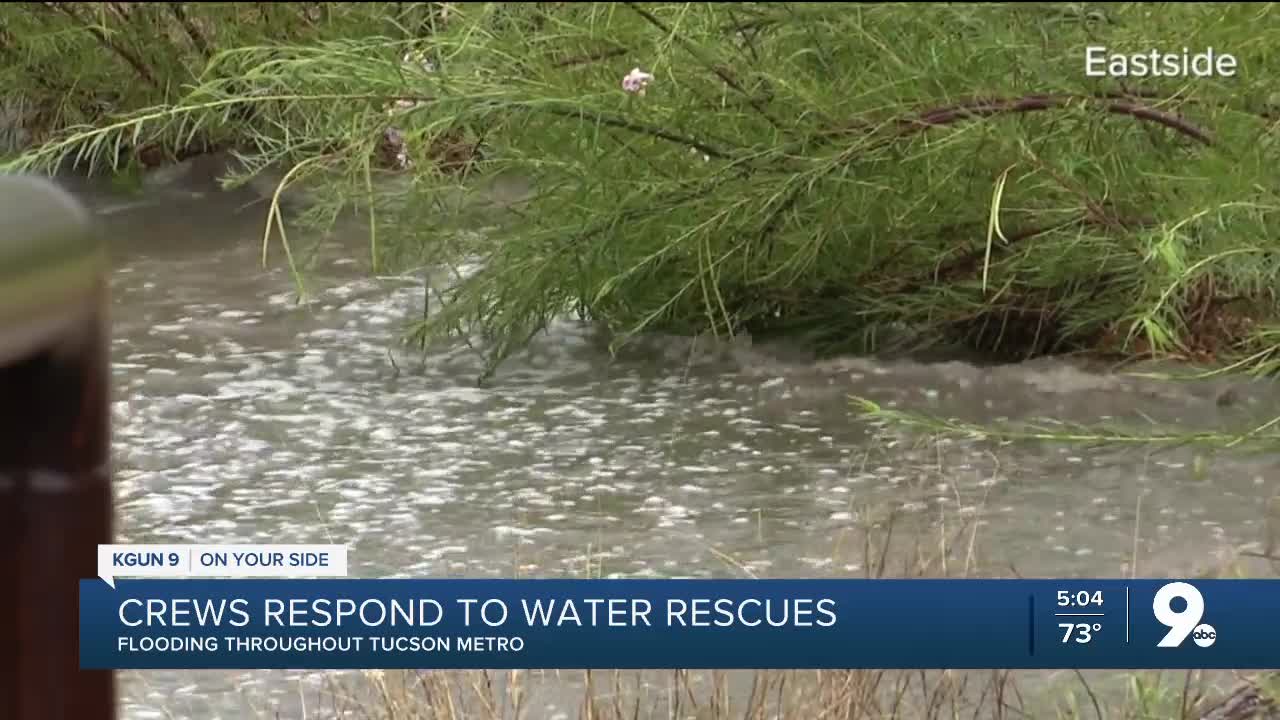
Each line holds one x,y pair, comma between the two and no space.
243,415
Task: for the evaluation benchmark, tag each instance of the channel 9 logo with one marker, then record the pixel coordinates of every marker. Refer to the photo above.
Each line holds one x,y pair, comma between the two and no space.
1182,623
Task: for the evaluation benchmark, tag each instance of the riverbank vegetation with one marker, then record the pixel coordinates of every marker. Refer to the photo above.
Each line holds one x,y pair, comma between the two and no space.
860,178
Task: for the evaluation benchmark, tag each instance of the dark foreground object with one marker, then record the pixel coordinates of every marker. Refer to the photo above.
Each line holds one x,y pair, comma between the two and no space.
55,492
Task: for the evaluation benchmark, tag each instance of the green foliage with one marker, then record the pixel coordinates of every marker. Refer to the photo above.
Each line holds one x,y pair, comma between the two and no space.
866,177
81,63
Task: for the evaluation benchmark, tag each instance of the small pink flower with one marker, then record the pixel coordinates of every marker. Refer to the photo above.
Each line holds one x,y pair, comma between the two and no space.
636,81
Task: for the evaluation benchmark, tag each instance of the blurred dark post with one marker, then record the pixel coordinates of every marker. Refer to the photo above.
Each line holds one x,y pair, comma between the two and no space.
55,488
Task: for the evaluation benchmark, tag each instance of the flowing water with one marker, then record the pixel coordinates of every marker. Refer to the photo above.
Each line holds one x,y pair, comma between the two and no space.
242,415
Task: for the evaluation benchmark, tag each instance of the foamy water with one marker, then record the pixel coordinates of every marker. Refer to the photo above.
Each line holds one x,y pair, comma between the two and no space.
242,416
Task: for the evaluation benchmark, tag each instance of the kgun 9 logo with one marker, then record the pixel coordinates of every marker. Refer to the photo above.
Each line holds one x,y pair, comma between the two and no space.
1182,623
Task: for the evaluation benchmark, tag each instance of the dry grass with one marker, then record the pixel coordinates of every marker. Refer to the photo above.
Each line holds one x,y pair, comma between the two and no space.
780,694
701,695
678,694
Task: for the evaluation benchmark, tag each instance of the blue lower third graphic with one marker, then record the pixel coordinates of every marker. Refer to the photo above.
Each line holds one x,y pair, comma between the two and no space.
724,624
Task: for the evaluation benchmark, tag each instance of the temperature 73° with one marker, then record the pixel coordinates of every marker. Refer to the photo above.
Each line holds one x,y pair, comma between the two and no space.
1079,632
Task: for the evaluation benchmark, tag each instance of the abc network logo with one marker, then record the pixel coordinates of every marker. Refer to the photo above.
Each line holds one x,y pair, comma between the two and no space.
1182,623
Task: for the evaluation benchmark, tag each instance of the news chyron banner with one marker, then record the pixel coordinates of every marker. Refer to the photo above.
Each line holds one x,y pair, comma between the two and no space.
292,607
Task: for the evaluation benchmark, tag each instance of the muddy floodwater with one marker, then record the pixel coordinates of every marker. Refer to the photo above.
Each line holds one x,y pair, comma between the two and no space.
242,416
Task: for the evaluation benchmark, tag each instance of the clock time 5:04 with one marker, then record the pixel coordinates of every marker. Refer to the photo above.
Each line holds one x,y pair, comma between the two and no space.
1079,598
